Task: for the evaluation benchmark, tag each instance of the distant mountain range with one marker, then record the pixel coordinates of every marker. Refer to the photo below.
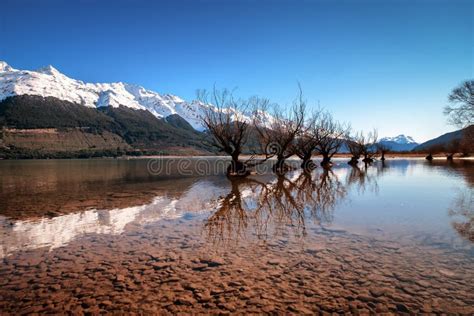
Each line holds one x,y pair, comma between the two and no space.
44,113
444,140
399,143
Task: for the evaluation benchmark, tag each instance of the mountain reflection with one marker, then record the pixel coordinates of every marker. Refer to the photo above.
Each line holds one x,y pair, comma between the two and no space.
270,208
58,231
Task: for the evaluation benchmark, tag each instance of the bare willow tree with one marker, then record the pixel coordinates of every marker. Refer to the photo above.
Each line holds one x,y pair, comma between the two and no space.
278,135
383,150
364,145
306,143
330,135
354,144
460,111
223,116
467,141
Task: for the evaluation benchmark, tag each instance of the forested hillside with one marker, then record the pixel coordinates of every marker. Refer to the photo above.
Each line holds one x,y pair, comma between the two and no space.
28,124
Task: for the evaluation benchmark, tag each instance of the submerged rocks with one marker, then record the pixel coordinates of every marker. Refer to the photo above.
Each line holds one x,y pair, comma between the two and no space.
212,261
334,272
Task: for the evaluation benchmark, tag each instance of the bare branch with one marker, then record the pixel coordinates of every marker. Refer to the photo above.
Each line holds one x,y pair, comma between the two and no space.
460,111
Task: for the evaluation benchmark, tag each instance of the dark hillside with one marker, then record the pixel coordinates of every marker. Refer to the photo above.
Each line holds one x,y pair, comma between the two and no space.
27,119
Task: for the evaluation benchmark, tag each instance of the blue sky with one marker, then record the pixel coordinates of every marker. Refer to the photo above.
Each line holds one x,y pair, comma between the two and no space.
377,64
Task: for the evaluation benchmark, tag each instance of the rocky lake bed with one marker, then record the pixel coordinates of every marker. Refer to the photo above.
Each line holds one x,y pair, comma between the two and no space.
160,256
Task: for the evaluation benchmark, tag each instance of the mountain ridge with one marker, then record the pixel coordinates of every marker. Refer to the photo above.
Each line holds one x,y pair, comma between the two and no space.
50,82
445,139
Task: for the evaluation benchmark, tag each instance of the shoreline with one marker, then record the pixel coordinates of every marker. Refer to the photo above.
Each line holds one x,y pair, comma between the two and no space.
243,157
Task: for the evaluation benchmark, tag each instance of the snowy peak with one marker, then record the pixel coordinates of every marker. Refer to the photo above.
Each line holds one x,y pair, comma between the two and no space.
49,70
400,139
399,143
5,67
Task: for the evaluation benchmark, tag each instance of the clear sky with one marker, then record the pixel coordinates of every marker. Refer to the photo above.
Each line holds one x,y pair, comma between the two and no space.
378,64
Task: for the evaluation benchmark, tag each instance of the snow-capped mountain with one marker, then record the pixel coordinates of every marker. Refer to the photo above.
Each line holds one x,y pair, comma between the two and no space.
399,143
49,82
400,139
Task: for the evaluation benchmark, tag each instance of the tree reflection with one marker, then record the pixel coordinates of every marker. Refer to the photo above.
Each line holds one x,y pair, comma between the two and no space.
462,209
268,208
462,167
463,212
231,217
365,178
324,193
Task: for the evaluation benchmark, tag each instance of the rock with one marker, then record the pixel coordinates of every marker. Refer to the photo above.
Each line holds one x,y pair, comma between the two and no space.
376,291
423,283
447,273
299,309
315,248
402,308
212,261
191,286
381,308
228,306
120,278
199,266
88,302
268,308
161,265
203,297
185,300
274,262
55,287
365,298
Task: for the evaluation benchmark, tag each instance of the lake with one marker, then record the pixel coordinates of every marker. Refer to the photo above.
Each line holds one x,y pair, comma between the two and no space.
175,235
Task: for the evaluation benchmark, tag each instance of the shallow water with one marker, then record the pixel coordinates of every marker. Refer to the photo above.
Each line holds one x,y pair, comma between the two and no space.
92,235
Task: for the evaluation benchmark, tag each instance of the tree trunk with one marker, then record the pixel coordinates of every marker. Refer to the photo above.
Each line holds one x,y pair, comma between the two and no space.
354,161
383,156
236,167
367,159
307,164
280,166
326,162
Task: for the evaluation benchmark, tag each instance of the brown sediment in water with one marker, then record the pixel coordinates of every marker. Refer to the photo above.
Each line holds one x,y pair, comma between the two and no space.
171,268
264,244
